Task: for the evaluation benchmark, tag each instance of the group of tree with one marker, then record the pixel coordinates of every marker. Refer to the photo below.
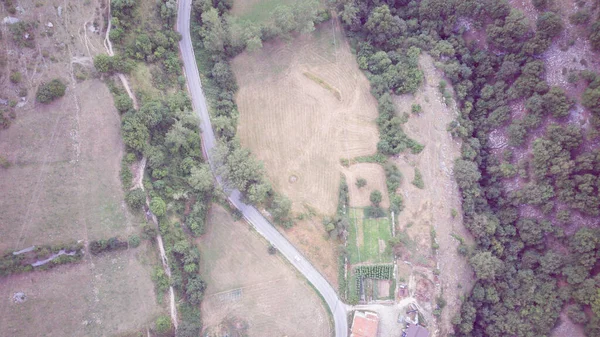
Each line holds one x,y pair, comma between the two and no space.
518,270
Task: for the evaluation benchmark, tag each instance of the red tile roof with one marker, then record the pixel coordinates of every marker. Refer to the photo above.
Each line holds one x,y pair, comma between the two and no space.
364,324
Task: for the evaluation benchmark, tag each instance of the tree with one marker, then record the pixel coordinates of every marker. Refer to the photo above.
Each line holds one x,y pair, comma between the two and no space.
549,25
135,198
201,178
375,198
595,35
48,92
280,209
361,182
103,63
486,265
158,206
214,32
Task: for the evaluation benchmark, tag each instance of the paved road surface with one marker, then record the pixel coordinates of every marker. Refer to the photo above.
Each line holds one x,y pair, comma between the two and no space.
262,225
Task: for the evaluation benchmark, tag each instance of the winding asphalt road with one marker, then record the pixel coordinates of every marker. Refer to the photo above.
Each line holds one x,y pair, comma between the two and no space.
251,214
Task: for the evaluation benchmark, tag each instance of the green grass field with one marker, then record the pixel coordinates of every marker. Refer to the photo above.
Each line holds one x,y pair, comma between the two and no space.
258,12
363,241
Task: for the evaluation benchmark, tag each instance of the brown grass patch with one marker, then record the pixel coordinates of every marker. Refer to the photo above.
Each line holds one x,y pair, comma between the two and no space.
107,295
64,183
431,206
295,126
247,283
375,176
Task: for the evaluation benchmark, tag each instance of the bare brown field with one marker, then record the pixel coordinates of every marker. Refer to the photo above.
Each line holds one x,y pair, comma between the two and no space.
311,238
106,295
375,176
431,206
296,126
261,292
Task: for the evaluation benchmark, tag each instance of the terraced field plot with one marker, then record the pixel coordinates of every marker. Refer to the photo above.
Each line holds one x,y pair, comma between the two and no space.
301,125
368,239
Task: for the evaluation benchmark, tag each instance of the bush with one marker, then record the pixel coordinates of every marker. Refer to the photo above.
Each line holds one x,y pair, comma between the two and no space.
361,182
134,241
48,92
15,77
418,181
158,206
374,212
163,324
135,199
375,198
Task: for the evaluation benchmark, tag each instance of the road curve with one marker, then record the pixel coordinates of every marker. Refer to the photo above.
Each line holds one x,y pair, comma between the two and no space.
250,213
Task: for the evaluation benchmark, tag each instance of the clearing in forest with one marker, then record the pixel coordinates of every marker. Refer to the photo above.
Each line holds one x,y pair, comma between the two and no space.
300,126
251,291
257,11
431,207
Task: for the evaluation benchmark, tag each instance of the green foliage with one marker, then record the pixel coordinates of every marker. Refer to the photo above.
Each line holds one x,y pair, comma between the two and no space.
134,241
15,77
418,181
158,206
595,35
486,265
375,198
23,33
416,109
549,25
48,92
581,17
163,324
135,199
112,244
361,182
378,272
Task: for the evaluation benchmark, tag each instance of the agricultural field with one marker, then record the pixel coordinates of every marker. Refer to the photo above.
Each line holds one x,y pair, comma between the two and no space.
368,239
61,182
249,290
304,105
431,207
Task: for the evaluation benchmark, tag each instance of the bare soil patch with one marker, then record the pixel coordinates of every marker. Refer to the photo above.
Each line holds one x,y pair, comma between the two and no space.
311,238
106,295
375,176
431,207
258,289
296,126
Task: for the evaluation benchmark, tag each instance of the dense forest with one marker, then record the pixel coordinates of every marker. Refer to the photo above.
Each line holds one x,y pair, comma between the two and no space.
527,268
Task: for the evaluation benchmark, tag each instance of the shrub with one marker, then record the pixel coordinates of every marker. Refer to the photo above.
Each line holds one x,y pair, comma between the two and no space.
375,198
15,77
361,182
416,109
135,198
418,181
272,250
48,92
134,241
374,212
163,324
158,206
